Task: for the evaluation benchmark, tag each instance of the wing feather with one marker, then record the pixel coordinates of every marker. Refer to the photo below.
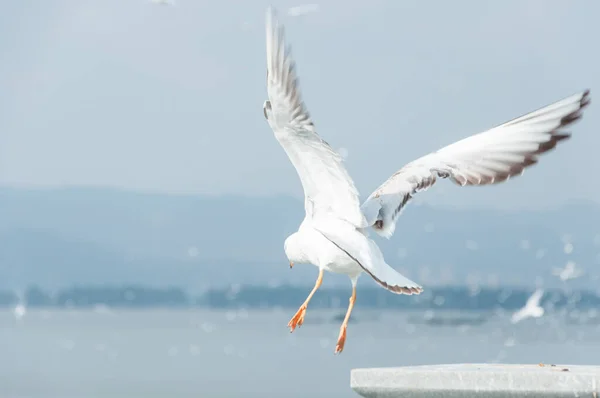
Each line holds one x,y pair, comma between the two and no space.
367,255
328,189
490,157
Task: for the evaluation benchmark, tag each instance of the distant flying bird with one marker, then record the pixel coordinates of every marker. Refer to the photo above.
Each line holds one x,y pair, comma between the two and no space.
19,311
569,272
532,308
302,10
164,2
334,233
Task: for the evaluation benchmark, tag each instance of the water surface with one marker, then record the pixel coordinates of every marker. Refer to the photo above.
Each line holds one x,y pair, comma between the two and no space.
193,353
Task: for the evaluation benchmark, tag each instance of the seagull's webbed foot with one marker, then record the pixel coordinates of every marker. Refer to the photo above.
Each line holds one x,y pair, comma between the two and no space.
339,347
298,318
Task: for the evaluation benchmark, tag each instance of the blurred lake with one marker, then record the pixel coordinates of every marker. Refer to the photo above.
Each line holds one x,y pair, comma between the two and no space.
239,353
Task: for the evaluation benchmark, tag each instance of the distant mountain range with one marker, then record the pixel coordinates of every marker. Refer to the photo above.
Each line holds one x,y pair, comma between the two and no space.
60,237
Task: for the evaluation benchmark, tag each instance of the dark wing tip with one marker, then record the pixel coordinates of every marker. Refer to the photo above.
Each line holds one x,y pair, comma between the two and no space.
551,143
402,289
585,98
584,101
397,289
556,136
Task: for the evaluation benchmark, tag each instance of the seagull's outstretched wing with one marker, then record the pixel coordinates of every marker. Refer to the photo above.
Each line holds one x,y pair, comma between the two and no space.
485,158
327,186
367,255
535,298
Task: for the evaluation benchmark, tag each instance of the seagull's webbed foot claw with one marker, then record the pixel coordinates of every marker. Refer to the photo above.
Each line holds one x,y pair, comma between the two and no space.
298,318
339,347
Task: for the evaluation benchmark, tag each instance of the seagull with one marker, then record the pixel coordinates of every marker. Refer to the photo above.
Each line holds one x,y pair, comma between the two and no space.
303,10
334,235
20,309
531,309
569,272
164,2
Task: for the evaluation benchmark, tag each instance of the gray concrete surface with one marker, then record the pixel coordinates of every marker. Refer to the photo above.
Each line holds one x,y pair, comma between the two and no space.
478,380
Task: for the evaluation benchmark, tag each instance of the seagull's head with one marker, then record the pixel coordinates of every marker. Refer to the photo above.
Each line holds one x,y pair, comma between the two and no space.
294,249
267,109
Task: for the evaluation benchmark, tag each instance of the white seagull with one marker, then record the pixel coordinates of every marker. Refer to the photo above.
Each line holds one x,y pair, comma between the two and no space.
334,233
303,10
569,272
20,309
164,2
532,308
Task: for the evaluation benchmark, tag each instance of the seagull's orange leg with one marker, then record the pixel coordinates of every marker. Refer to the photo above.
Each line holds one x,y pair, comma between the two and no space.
342,338
298,319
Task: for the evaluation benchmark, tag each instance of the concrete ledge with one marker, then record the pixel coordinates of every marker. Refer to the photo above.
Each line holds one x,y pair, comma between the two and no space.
478,380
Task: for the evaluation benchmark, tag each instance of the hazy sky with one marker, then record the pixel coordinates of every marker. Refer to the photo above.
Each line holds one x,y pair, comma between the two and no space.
132,94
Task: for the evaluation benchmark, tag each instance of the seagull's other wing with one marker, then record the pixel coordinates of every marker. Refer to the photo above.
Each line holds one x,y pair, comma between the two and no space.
535,298
367,255
518,316
328,189
486,158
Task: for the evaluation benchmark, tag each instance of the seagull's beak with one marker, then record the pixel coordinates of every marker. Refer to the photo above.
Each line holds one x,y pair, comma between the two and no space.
291,264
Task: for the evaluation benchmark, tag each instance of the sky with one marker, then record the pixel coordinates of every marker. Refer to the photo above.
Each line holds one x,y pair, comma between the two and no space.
135,95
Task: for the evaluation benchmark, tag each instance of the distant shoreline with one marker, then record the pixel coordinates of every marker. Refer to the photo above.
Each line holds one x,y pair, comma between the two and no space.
61,237
264,297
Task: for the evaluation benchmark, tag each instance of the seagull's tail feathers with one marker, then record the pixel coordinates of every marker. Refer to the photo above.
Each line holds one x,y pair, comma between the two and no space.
366,253
394,281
